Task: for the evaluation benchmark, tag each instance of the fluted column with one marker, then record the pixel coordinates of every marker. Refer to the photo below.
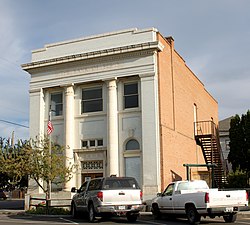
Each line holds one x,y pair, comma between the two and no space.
113,159
69,132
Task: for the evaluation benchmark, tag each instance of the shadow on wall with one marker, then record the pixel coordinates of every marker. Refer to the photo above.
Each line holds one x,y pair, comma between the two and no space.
175,176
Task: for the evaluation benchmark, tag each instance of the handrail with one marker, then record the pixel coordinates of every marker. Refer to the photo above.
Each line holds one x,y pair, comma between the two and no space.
205,128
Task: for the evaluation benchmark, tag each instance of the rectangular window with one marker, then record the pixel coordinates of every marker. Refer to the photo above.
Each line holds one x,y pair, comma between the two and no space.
92,143
99,142
57,104
131,95
92,100
84,144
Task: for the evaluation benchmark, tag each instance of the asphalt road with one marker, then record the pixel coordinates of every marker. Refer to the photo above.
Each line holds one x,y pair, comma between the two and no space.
12,213
14,219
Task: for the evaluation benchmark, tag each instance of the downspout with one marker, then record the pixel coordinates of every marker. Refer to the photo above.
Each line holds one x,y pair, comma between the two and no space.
171,40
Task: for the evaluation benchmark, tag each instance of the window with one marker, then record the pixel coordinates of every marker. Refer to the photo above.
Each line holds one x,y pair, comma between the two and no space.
95,185
132,145
169,190
93,143
131,95
57,104
84,144
133,168
99,142
83,187
92,100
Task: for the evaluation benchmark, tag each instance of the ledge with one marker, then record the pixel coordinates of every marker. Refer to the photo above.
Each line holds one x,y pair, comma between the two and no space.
156,45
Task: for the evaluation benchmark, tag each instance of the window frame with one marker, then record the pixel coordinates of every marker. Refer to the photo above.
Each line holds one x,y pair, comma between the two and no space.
54,111
89,100
125,96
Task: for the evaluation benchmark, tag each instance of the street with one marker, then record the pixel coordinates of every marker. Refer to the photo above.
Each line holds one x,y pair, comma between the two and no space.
11,214
13,219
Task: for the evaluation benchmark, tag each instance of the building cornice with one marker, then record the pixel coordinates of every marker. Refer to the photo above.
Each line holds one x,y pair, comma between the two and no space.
155,45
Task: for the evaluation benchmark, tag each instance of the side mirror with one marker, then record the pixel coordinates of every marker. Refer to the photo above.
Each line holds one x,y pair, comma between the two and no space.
73,189
159,194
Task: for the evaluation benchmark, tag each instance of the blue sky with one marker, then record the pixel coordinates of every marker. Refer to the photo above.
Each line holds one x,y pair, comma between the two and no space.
212,36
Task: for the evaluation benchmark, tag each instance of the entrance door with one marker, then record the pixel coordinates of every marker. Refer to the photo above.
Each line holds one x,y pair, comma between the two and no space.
89,176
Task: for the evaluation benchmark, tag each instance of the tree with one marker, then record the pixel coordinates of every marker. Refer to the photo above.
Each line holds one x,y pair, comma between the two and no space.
13,161
239,134
39,159
47,165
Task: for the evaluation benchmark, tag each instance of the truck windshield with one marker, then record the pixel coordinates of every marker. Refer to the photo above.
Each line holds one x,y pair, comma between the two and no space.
120,183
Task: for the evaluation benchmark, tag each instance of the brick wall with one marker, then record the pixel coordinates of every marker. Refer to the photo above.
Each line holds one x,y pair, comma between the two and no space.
179,90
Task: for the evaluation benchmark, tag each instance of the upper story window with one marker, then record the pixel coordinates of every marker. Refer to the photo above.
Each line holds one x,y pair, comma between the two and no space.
92,100
132,145
57,104
94,143
131,95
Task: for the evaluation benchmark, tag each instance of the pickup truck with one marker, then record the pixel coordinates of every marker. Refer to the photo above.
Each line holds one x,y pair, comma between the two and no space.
193,199
108,196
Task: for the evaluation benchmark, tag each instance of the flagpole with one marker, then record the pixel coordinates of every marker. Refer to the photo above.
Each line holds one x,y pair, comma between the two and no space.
49,183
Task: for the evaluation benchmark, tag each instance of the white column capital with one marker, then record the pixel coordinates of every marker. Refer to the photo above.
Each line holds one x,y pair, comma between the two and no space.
147,75
69,90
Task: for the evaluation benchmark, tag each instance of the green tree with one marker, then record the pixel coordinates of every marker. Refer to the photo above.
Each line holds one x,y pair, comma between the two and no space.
47,164
13,161
239,134
41,160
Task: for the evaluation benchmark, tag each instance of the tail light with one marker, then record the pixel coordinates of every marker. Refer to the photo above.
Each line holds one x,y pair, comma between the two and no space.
100,195
141,195
246,196
207,198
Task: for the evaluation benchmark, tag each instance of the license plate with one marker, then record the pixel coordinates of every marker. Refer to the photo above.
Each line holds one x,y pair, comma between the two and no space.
229,209
121,207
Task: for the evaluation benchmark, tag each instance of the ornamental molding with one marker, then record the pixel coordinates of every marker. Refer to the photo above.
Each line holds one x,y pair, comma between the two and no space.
147,47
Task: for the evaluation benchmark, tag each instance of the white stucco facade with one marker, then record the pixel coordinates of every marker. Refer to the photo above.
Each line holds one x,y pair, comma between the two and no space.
103,140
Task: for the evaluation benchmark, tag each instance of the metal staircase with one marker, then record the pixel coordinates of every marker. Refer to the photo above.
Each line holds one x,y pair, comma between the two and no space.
207,137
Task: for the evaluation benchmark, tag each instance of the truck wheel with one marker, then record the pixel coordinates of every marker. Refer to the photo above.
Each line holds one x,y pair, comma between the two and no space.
131,218
91,213
74,212
156,212
192,215
230,218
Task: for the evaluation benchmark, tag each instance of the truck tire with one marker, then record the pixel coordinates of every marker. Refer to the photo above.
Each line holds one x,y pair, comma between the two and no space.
192,215
230,218
156,212
131,218
73,210
91,213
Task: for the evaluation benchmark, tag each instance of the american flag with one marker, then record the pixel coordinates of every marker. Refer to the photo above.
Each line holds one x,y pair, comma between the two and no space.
50,128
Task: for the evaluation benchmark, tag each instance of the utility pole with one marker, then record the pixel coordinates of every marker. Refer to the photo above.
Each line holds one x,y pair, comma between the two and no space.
12,139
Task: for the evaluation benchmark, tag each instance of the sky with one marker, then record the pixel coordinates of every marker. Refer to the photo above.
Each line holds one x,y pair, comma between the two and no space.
213,37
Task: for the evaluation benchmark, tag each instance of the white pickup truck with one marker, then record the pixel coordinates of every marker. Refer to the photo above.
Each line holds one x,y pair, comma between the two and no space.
108,196
193,199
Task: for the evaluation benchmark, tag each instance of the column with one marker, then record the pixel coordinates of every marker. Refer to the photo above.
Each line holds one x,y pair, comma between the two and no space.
150,135
69,132
113,159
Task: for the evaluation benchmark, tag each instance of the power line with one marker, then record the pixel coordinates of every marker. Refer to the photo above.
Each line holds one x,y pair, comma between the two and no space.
17,124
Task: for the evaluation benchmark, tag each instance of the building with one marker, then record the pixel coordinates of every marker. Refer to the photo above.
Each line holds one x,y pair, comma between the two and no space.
224,126
122,103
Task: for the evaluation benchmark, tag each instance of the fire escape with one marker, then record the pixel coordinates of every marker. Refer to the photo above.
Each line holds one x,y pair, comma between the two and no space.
207,137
